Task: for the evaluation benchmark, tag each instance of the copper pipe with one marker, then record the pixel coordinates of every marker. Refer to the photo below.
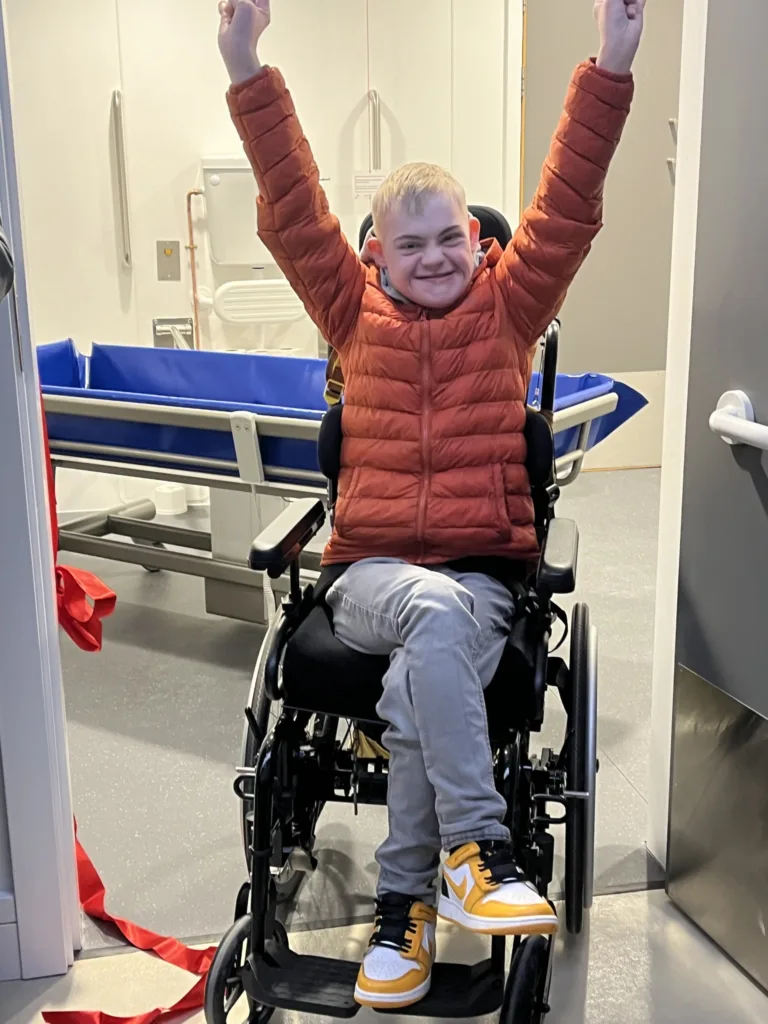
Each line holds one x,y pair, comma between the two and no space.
192,250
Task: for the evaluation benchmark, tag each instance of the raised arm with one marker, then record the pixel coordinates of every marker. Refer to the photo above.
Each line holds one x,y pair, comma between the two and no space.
559,226
294,221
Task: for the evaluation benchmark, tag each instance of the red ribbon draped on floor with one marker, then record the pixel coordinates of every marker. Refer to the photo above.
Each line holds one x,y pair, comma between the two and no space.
83,601
92,897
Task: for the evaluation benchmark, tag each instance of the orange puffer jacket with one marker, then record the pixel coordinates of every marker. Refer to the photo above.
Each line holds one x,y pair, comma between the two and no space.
433,457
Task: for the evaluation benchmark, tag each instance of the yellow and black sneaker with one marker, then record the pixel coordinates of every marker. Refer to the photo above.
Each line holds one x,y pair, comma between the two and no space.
484,891
397,968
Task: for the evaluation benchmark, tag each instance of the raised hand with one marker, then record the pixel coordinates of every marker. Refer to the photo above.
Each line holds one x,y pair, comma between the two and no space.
242,24
620,23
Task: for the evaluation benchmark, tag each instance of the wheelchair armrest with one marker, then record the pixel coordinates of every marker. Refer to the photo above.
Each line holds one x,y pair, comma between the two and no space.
559,554
283,540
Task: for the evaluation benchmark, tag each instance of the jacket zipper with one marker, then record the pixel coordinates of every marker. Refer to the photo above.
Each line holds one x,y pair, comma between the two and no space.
426,423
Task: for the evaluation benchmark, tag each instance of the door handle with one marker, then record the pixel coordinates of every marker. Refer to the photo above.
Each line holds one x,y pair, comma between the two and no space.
374,106
118,127
672,168
673,128
734,421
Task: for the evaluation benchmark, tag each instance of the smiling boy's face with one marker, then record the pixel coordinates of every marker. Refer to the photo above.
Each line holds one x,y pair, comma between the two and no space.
428,251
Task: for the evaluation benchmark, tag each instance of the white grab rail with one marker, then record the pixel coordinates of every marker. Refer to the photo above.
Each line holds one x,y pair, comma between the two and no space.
265,301
734,422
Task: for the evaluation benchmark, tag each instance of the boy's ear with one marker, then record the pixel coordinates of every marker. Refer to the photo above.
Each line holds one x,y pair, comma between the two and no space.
374,248
474,232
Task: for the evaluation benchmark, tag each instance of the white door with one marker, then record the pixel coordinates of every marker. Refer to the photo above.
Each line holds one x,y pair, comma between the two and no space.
176,115
65,67
447,74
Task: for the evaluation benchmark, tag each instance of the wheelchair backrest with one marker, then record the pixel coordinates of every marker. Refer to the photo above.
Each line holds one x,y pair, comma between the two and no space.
492,225
539,460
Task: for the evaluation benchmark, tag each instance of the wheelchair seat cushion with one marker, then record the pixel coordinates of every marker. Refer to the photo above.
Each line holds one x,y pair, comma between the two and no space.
323,675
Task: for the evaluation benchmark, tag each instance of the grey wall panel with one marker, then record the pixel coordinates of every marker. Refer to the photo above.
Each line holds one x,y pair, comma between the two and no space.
724,549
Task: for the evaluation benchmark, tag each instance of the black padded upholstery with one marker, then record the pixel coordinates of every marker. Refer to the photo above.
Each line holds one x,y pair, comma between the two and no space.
540,448
329,443
322,675
492,225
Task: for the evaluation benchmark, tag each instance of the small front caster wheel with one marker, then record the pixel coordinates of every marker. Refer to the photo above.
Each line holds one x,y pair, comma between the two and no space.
226,1001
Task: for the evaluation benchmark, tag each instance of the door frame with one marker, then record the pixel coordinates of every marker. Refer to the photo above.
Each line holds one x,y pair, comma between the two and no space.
33,740
684,236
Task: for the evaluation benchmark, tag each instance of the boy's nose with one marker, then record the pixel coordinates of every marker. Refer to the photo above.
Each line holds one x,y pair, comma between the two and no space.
433,256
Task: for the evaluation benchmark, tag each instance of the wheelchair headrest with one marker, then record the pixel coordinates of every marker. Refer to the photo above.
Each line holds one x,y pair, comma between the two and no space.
492,225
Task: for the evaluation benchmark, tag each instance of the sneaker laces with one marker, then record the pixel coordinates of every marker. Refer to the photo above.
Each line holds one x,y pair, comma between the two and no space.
498,864
394,926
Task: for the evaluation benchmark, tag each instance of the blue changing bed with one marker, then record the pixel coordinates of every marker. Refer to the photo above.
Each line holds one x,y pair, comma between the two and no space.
281,392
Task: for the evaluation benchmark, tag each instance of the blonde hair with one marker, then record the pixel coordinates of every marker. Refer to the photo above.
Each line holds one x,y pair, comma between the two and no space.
410,185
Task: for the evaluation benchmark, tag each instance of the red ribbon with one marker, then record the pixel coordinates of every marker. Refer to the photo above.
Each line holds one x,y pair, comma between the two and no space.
83,601
171,951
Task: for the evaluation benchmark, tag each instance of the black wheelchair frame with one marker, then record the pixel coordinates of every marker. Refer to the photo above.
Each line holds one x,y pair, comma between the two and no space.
294,763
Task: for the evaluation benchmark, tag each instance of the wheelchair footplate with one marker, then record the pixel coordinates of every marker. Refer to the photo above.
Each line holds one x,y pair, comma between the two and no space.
319,985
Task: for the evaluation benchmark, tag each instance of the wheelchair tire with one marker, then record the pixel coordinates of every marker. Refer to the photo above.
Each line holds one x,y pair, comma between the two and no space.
265,716
578,774
525,992
223,985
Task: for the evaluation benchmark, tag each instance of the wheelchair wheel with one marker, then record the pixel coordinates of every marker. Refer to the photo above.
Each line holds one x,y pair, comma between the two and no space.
581,771
525,993
265,714
226,1001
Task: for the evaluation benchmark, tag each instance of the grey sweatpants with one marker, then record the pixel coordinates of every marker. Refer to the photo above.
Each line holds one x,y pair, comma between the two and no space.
444,633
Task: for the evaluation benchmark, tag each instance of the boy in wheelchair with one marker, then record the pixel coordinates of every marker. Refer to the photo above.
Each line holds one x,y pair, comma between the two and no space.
434,533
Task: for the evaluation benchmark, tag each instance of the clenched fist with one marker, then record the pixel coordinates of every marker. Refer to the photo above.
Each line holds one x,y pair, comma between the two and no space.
242,24
620,23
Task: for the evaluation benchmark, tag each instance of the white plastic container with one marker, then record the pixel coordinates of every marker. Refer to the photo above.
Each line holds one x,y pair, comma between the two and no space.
170,500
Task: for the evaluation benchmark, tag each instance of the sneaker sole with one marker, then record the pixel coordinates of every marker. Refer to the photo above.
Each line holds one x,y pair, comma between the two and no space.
536,924
392,1000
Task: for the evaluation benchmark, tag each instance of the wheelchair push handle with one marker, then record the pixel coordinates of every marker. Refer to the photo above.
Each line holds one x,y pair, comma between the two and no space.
549,370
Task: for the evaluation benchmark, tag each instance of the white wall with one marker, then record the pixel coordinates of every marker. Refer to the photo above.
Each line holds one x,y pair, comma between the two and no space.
675,409
62,79
447,95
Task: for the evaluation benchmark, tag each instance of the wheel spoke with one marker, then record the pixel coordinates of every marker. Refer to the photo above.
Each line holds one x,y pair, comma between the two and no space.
233,998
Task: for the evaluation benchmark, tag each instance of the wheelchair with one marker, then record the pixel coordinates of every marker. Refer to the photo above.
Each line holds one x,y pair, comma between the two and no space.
310,692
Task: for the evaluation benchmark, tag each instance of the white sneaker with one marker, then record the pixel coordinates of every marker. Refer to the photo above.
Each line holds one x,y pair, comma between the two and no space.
397,969
484,891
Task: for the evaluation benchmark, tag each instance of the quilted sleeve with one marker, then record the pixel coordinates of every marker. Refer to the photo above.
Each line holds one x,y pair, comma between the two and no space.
559,226
294,221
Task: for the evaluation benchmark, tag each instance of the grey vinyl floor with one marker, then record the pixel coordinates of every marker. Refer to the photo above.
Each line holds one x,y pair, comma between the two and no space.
640,962
155,727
